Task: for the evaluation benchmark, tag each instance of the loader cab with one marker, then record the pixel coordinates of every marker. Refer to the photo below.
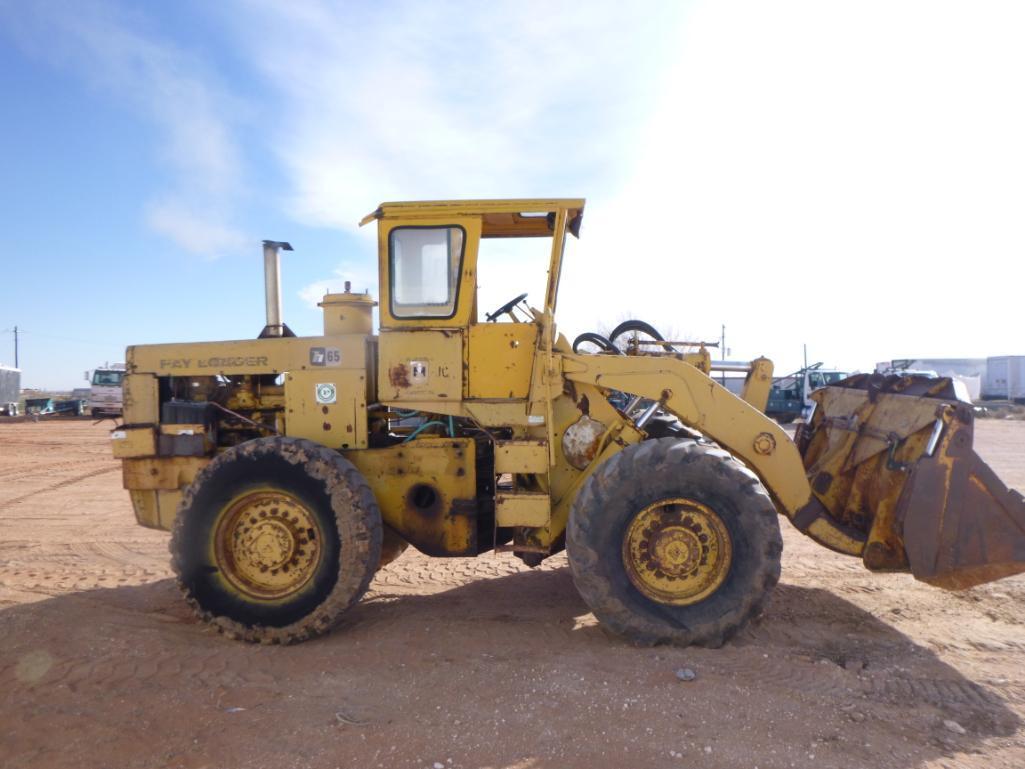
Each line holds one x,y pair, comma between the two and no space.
437,344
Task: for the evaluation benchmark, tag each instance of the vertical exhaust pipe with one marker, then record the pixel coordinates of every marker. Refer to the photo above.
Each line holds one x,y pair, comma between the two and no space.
272,289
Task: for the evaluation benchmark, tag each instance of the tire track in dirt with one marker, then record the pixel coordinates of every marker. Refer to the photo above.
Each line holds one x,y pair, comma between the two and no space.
58,581
824,679
172,670
122,555
59,485
18,472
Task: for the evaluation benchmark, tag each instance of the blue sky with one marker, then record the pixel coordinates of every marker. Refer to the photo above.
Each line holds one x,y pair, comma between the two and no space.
844,175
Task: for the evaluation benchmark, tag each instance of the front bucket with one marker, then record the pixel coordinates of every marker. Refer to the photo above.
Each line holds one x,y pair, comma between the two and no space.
892,469
962,525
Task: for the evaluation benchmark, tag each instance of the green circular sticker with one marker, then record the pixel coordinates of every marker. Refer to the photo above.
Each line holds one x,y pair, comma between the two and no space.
326,393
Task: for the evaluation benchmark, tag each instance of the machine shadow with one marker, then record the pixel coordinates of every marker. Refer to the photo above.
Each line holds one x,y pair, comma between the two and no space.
511,620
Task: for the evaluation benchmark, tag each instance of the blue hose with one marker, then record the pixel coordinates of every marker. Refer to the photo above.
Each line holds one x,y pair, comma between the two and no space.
421,428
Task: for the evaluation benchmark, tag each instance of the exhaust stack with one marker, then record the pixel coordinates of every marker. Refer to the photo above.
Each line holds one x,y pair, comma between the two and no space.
272,289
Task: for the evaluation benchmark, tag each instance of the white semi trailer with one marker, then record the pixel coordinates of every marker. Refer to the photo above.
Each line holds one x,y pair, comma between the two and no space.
1005,378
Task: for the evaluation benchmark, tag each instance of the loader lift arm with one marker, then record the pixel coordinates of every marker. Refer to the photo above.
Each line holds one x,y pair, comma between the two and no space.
706,406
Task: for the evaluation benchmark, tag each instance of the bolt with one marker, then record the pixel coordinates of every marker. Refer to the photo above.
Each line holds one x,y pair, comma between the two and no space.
764,444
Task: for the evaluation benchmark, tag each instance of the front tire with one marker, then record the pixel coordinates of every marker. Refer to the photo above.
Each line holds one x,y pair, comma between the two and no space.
275,539
673,541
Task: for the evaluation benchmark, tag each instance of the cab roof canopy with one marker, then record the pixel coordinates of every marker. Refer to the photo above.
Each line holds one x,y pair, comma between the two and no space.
520,218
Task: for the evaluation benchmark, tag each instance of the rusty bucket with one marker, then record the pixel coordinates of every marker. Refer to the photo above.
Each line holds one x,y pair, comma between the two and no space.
890,460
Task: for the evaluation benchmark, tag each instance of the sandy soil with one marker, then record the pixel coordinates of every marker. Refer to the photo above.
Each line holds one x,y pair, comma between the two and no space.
476,663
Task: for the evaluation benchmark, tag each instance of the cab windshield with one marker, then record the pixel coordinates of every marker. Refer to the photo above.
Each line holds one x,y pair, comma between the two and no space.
108,378
822,378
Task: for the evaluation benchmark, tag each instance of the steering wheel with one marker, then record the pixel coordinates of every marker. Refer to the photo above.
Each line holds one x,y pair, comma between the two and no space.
505,308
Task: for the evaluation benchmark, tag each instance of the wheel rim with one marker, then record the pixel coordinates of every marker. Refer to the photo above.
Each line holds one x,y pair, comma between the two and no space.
677,551
267,544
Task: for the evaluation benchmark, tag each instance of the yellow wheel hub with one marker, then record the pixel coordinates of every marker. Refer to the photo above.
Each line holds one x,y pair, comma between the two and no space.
677,551
267,544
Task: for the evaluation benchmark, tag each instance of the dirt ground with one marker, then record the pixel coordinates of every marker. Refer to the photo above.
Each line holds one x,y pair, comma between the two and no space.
476,663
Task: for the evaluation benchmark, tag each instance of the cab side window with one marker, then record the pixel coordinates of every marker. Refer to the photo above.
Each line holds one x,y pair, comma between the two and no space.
425,267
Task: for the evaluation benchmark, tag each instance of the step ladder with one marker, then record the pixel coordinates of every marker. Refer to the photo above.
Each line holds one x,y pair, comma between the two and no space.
516,507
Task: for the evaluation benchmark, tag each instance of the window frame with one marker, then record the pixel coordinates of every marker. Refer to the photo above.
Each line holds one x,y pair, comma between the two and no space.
391,270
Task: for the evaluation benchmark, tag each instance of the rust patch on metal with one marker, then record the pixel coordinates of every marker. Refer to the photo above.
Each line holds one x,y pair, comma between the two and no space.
463,507
822,482
962,526
398,375
581,440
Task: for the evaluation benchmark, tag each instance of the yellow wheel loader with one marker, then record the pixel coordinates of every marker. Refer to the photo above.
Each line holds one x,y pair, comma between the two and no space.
289,469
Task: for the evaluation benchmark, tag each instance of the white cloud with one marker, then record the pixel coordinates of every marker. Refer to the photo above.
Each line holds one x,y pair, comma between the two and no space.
448,100
357,275
843,175
167,85
196,230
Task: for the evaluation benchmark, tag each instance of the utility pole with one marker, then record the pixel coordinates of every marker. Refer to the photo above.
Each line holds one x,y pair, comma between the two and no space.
806,355
16,347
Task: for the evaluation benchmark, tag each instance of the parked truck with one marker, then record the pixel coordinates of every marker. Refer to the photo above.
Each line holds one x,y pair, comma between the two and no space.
105,390
790,396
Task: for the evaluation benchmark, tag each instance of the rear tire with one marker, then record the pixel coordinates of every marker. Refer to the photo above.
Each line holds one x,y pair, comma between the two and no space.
603,531
275,539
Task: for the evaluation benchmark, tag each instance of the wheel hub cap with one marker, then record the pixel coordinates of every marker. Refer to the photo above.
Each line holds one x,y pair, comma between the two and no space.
268,544
677,551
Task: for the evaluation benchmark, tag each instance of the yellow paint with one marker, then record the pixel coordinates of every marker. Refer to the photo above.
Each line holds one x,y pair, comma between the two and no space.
677,551
521,457
500,359
139,394
167,507
161,473
442,467
144,503
420,366
348,313
338,420
267,544
248,356
531,509
133,442
825,533
499,218
466,287
758,383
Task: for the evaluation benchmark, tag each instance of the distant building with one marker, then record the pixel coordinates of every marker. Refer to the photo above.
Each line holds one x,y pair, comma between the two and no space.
10,390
